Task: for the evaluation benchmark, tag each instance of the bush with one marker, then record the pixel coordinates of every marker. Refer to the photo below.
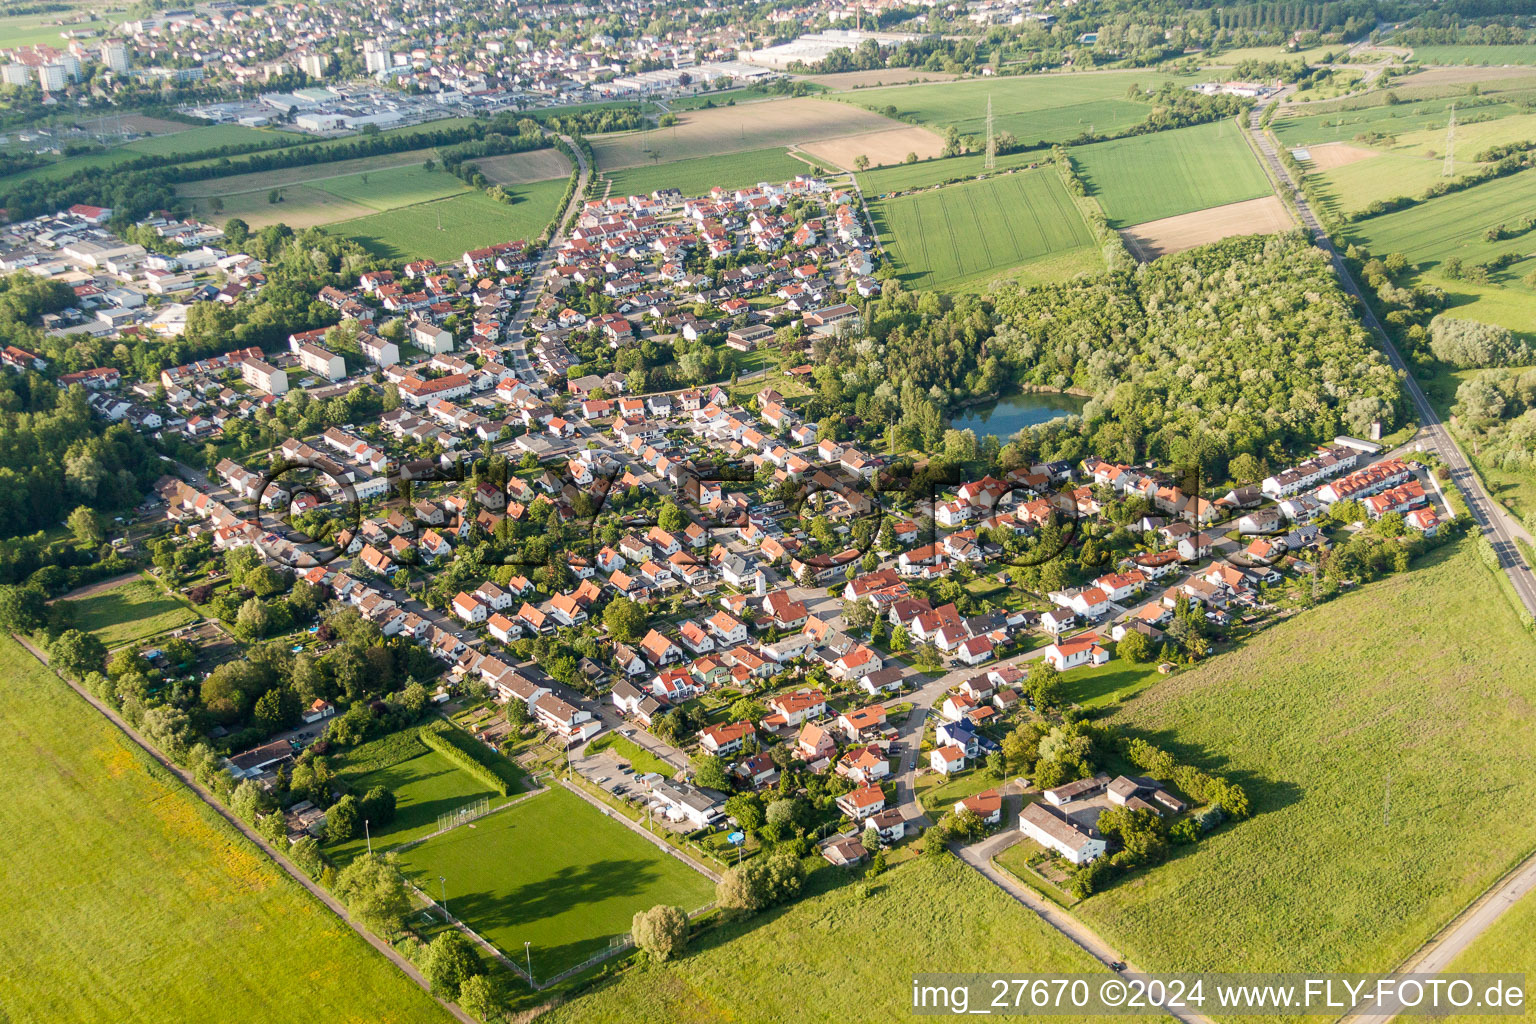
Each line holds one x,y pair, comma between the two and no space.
1469,343
661,932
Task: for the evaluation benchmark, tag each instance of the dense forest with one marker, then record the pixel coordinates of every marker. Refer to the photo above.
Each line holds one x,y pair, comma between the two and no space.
1246,346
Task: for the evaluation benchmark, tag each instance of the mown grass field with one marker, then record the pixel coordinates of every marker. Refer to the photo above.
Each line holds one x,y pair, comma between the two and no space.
812,961
393,187
977,230
130,611
1511,54
553,871
130,900
195,140
695,177
1148,177
1035,108
31,29
424,787
1313,716
1098,686
469,221
1384,176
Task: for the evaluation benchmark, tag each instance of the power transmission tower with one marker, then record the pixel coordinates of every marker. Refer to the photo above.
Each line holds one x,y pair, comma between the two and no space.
1450,146
991,161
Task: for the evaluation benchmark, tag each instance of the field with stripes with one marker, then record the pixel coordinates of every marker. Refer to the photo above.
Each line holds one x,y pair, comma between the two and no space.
963,236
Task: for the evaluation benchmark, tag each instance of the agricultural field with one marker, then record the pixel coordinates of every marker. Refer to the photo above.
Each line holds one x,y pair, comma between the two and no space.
522,168
697,176
1350,187
1429,233
195,140
263,181
721,130
129,611
1034,108
845,80
393,187
445,228
1345,121
1493,55
883,148
926,173
1175,234
1148,177
1227,58
424,786
977,231
554,871
123,886
796,963
302,206
1312,717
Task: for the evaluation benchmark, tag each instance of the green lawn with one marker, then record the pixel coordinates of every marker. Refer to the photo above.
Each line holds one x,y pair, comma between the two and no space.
696,176
1034,108
1119,680
1510,54
640,759
424,787
393,187
129,900
1148,177
468,221
839,956
938,794
1016,861
553,871
131,611
1313,717
979,229
195,140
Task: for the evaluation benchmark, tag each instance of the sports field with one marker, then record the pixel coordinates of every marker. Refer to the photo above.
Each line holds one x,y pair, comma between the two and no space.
31,29
553,871
1148,177
468,221
1035,108
129,611
800,964
697,176
1511,54
127,897
1314,717
972,232
424,786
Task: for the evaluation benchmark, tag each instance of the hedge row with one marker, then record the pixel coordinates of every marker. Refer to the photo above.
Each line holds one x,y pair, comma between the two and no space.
490,769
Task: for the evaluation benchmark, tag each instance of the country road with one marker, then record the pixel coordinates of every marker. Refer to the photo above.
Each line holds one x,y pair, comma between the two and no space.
1490,518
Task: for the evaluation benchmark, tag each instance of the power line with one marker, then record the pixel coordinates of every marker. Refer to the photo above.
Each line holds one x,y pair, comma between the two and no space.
1450,146
991,160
